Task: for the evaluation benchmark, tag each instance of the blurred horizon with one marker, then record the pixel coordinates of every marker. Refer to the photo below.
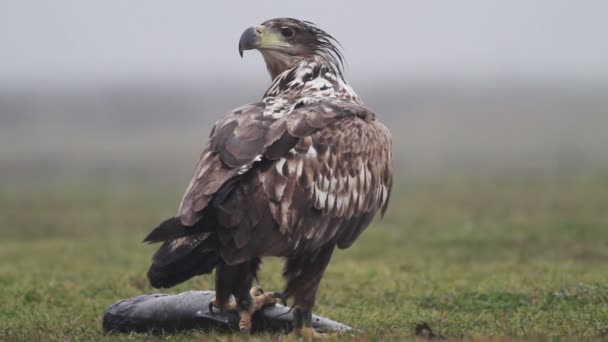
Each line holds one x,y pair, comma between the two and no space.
160,128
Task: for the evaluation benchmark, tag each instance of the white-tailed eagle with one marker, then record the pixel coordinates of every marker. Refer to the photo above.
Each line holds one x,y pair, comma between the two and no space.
295,175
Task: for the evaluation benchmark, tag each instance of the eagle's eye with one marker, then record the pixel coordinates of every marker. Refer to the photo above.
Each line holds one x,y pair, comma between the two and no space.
287,32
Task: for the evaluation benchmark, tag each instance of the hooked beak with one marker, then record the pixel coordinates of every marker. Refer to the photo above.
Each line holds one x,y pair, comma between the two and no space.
251,39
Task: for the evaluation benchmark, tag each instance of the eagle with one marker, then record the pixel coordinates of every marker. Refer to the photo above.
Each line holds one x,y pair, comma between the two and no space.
295,175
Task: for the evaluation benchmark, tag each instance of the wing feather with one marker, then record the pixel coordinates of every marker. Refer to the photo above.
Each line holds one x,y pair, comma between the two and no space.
325,169
345,162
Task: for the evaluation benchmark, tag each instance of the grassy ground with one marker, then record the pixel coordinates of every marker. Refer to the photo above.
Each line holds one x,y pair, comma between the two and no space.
515,256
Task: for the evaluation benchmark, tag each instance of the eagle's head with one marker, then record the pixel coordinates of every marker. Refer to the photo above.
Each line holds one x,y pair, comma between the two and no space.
284,42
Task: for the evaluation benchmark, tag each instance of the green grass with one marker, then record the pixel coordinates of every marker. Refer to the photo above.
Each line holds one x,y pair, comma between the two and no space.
516,256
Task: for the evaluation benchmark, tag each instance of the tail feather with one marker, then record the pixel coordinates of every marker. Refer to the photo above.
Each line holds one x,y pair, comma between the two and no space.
181,259
171,228
185,253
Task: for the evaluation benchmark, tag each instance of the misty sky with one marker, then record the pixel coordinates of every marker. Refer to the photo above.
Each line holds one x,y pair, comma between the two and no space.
87,40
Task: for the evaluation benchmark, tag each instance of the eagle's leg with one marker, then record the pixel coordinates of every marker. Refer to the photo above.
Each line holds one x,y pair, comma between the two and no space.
303,274
237,280
225,276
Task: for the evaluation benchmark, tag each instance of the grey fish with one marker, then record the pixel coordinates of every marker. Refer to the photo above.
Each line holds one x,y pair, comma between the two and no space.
189,310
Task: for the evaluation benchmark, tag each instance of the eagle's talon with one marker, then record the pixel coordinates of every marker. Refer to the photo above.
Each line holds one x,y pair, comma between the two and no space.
259,300
245,321
213,304
256,291
281,297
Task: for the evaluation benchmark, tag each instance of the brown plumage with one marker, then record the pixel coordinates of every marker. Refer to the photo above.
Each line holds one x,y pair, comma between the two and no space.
302,171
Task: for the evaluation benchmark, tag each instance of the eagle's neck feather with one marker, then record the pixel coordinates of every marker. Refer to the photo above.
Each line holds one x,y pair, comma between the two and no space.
312,80
311,77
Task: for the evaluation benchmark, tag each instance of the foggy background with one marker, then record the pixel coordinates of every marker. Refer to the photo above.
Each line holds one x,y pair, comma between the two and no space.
103,88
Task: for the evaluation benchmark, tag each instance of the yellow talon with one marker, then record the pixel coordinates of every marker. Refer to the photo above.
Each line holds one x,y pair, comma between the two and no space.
259,300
